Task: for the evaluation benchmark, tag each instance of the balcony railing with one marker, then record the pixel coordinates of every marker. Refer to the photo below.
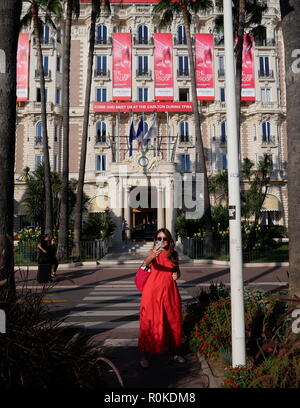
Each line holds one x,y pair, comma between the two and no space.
221,73
268,140
103,41
184,73
38,141
266,74
100,140
101,73
184,139
142,41
265,43
47,74
147,74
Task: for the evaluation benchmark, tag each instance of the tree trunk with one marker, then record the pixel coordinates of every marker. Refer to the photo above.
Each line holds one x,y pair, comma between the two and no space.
47,171
201,163
291,33
62,250
79,196
10,11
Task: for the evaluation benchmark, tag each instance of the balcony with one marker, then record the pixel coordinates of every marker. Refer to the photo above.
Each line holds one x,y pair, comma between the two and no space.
222,141
185,140
270,42
183,73
268,141
101,141
182,41
221,73
143,41
144,74
266,74
47,74
102,74
103,41
45,42
38,141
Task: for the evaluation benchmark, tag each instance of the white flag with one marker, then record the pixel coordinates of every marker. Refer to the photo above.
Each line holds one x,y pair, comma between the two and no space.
152,132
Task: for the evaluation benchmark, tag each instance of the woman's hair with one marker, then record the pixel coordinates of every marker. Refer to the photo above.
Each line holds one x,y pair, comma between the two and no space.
172,254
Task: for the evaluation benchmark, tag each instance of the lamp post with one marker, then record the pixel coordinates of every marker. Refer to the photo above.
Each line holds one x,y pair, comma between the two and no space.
236,259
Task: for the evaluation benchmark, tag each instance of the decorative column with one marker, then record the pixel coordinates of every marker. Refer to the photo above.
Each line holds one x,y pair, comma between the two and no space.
160,207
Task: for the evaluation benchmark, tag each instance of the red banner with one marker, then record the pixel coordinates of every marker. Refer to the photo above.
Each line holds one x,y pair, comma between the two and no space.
204,67
163,67
122,51
143,107
23,67
248,78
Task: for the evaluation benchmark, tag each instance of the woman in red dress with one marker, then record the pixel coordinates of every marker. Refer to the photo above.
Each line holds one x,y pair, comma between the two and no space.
160,310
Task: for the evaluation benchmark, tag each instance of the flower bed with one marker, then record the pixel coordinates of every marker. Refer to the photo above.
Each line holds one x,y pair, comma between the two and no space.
273,351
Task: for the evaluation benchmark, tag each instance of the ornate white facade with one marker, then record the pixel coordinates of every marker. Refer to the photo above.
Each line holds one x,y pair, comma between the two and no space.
263,122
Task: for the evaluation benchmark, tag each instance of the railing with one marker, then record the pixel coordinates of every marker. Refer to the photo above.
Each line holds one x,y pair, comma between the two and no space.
47,74
100,140
103,41
185,73
144,73
101,73
268,140
26,253
266,43
221,73
38,141
143,41
266,74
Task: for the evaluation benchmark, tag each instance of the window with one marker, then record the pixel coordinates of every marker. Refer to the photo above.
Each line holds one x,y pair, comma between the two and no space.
39,159
57,96
222,94
142,64
39,133
264,66
184,95
58,64
142,34
101,95
55,162
38,94
101,65
100,162
101,132
266,132
181,35
221,71
142,94
183,65
58,35
45,35
184,132
185,162
265,94
223,132
224,161
268,158
55,133
101,34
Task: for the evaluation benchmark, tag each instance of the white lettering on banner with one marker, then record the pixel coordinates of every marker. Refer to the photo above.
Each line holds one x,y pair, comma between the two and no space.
296,63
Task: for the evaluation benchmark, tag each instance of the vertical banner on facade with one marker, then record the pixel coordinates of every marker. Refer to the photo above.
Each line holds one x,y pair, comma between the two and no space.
248,78
204,67
122,70
23,67
163,67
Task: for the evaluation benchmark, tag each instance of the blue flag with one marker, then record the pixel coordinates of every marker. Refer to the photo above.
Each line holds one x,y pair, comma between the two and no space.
132,136
140,131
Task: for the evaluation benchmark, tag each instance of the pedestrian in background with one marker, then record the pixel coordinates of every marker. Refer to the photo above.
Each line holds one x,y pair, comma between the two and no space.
160,309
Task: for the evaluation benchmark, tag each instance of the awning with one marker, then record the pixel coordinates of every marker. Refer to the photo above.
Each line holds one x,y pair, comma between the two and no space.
271,203
99,204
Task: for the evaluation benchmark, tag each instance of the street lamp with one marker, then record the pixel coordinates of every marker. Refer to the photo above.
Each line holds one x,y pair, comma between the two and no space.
236,258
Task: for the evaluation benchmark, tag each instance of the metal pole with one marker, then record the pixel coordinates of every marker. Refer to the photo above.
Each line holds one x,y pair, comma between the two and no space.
236,259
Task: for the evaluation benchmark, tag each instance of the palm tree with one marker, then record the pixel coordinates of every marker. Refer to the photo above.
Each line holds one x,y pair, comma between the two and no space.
39,13
10,12
290,11
247,16
72,6
186,8
96,8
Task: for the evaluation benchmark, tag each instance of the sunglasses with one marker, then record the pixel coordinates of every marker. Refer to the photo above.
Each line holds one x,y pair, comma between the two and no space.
160,238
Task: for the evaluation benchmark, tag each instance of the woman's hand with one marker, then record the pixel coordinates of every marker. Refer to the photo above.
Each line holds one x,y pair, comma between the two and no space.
175,275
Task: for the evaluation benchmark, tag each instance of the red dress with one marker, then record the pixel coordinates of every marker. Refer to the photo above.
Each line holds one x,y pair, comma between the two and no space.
160,310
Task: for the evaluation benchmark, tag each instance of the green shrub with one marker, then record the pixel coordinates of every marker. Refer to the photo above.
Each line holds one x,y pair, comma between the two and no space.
98,226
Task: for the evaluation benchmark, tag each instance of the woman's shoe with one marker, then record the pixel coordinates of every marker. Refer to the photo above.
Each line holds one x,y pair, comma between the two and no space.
178,359
144,362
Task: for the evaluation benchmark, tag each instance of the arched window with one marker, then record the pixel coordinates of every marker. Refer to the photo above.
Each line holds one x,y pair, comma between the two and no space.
181,35
101,132
184,132
101,34
266,132
142,34
223,132
39,133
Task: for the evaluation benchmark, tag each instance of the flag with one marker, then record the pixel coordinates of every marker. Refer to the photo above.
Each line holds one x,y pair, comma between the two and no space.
132,136
140,133
152,132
